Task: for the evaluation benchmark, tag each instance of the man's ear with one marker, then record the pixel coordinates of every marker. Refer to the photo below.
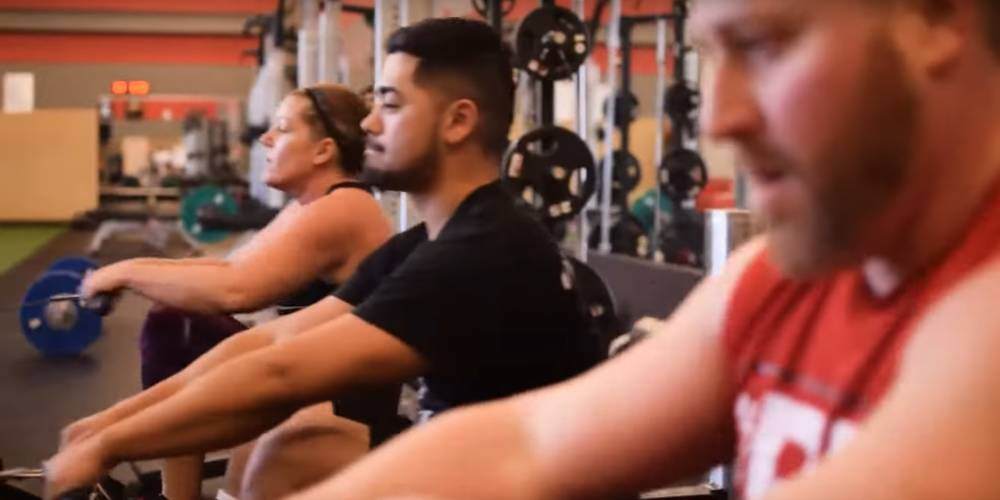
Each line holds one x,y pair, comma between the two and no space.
326,150
937,32
460,120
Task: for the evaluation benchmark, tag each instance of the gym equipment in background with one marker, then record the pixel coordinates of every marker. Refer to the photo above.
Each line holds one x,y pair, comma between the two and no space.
53,316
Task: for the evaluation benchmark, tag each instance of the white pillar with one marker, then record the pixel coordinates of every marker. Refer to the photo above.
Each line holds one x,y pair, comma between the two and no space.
329,42
308,50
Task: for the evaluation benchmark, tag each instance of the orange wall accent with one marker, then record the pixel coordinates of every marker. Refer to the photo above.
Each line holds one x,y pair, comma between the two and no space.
126,48
172,6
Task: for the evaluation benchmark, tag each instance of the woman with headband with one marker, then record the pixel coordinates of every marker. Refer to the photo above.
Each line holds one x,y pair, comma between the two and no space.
314,148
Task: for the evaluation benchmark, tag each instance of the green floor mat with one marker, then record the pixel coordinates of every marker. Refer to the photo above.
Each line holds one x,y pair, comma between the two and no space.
18,241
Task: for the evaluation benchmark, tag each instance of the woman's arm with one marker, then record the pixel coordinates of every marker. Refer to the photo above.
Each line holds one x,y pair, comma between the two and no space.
304,243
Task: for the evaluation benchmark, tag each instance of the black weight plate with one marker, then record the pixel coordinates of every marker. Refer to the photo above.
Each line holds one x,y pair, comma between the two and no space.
683,240
626,108
482,8
625,176
551,43
551,170
628,237
596,299
683,174
680,102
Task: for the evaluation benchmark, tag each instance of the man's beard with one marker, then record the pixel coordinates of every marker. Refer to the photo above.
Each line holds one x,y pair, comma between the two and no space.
417,176
857,177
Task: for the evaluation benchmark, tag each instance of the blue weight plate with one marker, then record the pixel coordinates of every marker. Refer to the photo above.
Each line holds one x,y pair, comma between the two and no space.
78,265
50,339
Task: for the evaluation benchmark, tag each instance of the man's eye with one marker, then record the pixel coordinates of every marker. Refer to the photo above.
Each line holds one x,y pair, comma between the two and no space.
760,46
753,44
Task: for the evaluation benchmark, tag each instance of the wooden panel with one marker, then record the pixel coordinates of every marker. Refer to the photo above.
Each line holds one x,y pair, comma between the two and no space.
48,164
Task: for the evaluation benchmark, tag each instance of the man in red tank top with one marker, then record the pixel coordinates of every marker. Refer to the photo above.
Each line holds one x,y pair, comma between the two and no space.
847,354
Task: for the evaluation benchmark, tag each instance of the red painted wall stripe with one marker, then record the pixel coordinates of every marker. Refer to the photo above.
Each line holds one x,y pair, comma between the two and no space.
126,48
184,49
167,6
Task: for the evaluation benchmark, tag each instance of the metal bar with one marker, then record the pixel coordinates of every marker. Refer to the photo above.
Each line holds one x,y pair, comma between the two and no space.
378,27
652,18
495,15
279,24
547,88
404,207
22,473
548,105
661,85
309,52
614,46
626,85
404,12
582,129
329,43
358,9
140,192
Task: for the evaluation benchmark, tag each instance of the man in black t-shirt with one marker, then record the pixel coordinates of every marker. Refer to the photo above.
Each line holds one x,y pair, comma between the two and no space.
484,303
477,300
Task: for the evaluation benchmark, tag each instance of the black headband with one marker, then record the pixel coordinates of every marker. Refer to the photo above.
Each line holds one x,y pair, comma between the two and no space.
319,105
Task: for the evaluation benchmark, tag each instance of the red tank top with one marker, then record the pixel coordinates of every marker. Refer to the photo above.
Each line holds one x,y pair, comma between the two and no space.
812,359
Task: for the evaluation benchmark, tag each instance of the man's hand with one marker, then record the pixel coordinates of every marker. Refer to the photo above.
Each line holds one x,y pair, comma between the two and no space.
79,465
83,429
108,279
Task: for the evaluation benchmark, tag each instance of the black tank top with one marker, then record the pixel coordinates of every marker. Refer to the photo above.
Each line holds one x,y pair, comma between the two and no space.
317,289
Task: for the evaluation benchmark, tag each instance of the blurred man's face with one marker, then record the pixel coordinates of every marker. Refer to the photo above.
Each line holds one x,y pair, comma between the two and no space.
817,101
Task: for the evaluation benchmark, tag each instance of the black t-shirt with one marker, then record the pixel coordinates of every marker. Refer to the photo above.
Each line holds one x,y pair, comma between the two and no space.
490,303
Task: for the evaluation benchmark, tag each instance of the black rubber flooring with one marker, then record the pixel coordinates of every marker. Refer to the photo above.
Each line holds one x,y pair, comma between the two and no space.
41,395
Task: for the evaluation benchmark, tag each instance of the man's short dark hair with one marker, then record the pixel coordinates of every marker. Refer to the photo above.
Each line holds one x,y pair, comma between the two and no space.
991,16
462,58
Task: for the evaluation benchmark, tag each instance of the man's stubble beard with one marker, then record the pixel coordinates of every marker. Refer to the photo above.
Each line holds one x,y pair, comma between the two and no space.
858,176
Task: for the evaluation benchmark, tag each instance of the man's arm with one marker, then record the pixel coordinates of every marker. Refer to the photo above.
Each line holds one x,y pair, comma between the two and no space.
282,328
935,435
661,411
246,396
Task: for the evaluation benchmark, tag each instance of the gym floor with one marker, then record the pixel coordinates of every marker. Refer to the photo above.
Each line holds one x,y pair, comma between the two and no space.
41,395
18,241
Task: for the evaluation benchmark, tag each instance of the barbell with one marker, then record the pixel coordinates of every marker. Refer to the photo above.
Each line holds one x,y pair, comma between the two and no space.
54,318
